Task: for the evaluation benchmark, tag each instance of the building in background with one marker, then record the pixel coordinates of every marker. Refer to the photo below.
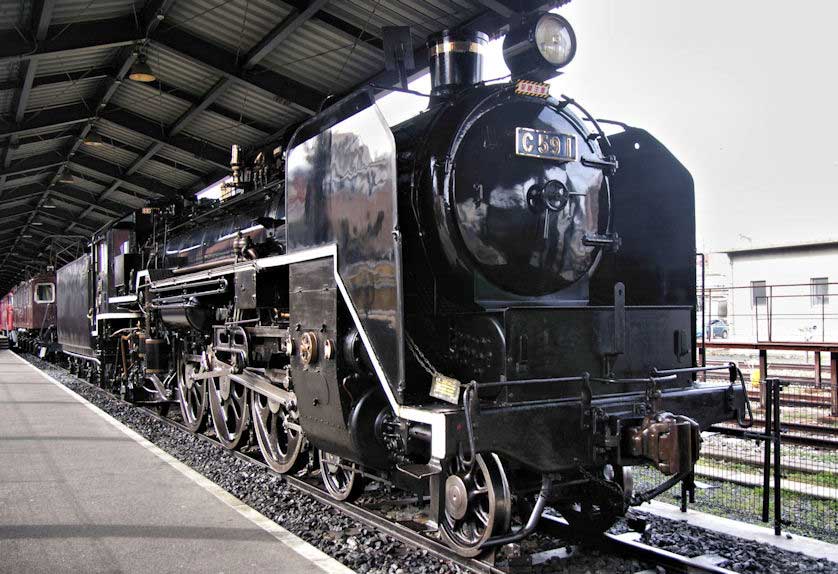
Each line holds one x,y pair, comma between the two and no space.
783,292
713,272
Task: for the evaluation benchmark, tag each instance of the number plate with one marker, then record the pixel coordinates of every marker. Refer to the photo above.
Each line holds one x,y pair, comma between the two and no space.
546,145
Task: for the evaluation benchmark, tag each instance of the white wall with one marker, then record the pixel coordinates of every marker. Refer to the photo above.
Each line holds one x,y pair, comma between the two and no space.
793,316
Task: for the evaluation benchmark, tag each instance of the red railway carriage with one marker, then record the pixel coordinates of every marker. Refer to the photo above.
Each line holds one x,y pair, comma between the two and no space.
6,314
34,310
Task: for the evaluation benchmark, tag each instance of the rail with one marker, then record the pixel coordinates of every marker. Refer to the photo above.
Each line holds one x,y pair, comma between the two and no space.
408,532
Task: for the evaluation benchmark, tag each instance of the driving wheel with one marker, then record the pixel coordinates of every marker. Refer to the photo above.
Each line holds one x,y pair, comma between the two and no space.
278,431
477,503
228,402
192,394
341,477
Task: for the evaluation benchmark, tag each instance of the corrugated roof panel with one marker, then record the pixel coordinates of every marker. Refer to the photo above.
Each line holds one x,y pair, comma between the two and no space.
183,73
167,174
76,60
87,184
39,147
64,93
6,99
125,197
26,180
45,131
320,57
116,132
67,11
13,14
144,100
8,71
12,203
222,131
258,105
185,158
96,182
102,217
238,25
111,154
422,17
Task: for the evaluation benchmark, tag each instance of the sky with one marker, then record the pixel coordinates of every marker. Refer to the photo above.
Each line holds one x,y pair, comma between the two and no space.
743,92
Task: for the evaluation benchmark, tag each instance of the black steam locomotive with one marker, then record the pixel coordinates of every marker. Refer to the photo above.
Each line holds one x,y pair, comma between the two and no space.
493,302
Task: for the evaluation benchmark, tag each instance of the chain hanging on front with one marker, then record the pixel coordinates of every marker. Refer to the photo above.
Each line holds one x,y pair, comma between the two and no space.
448,389
443,387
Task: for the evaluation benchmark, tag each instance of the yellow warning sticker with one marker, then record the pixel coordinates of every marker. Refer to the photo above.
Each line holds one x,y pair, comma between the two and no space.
446,389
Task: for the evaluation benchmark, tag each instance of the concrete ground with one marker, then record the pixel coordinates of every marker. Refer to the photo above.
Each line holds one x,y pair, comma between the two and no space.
80,493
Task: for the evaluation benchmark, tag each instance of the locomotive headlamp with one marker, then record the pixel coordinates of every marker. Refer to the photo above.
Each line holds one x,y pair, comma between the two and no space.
539,46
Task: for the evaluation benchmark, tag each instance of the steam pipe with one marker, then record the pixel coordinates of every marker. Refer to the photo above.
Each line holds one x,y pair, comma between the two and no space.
532,522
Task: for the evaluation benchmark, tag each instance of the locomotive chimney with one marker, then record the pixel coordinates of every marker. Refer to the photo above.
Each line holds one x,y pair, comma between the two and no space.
456,60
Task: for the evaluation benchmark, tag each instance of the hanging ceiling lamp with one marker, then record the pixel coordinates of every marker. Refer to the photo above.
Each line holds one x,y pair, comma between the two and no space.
93,139
141,71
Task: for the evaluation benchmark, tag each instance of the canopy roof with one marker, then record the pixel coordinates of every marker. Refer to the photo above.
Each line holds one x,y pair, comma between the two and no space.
228,71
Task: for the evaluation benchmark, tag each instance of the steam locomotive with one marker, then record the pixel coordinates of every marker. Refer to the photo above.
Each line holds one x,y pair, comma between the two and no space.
492,303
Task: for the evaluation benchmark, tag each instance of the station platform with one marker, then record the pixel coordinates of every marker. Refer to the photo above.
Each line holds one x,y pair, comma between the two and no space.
80,492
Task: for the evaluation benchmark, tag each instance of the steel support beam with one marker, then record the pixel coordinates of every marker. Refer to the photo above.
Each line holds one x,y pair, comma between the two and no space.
7,216
301,96
282,32
201,149
61,39
211,96
93,73
54,119
497,7
270,42
111,172
20,102
33,163
340,26
42,15
70,195
152,149
231,115
64,116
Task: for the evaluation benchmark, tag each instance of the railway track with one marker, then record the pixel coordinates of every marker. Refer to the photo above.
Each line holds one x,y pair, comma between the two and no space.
621,544
788,401
626,545
789,438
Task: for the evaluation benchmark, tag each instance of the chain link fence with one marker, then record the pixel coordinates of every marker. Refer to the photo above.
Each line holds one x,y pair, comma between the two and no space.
739,469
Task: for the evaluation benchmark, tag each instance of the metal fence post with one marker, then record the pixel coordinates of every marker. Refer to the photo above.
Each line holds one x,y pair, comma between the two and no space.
818,382
776,387
687,490
763,374
833,380
766,463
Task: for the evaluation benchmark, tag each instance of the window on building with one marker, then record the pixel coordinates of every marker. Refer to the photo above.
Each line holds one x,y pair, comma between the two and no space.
819,289
44,293
759,294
